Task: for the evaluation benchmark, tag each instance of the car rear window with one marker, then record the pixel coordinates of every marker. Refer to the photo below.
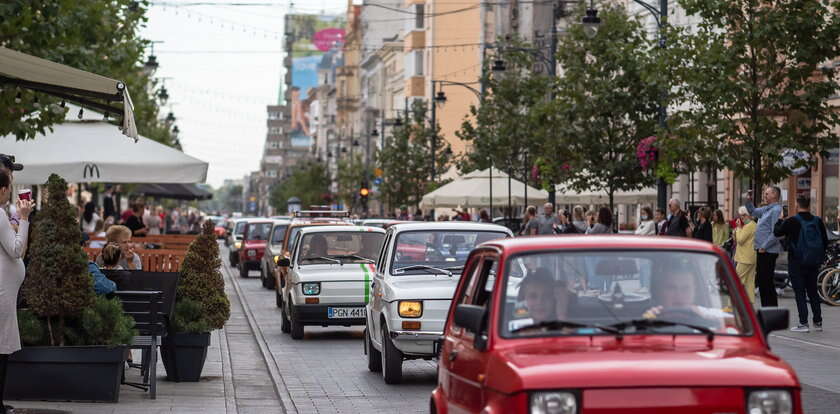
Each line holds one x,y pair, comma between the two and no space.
416,251
278,233
258,231
340,247
637,292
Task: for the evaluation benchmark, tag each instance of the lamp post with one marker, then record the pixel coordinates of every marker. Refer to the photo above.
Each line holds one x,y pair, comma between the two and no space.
660,16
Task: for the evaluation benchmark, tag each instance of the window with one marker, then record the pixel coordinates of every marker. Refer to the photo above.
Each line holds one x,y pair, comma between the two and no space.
275,130
420,14
340,247
275,115
278,234
447,250
258,231
272,144
272,173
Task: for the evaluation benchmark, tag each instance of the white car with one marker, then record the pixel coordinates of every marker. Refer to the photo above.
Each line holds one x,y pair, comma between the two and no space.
234,238
328,282
416,276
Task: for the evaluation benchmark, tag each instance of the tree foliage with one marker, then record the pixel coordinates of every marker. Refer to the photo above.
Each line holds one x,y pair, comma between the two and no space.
310,183
406,159
58,285
96,36
349,176
604,106
750,86
201,283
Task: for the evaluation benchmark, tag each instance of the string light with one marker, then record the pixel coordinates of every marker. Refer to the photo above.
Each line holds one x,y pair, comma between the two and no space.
81,113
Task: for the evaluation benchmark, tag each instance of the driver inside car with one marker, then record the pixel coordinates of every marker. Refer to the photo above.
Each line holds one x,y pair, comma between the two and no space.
677,292
317,247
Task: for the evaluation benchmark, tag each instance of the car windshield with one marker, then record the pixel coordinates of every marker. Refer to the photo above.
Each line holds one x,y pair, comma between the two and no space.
240,228
422,252
258,231
277,235
340,247
633,292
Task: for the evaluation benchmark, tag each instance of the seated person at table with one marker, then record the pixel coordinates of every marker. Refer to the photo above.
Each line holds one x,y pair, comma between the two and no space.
111,255
121,236
101,284
678,296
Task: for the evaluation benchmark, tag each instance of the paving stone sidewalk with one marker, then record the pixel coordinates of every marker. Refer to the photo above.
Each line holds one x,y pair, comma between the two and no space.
235,380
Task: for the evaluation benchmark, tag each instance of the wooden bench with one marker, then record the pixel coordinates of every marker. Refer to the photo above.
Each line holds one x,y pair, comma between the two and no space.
152,260
166,241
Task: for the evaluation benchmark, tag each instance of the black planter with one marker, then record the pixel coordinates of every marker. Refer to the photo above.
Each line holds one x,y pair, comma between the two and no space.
183,356
67,373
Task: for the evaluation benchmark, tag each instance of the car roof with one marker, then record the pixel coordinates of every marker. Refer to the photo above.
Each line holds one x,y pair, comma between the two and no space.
448,226
250,219
342,228
305,223
615,241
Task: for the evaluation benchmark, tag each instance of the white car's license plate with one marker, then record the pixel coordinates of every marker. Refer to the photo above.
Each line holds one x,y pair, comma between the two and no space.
346,313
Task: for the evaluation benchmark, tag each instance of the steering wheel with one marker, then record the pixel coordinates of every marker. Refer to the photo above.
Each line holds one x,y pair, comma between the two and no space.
686,316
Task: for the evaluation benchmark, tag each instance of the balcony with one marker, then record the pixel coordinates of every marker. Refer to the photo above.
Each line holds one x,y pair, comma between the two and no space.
415,39
415,86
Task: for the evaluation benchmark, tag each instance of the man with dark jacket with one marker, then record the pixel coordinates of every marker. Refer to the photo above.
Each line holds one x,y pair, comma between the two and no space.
806,238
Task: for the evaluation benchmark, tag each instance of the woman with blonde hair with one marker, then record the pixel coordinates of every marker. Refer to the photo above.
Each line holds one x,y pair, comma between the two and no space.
121,236
745,257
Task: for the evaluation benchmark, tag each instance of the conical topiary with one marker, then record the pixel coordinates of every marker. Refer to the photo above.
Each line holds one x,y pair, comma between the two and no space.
58,285
202,283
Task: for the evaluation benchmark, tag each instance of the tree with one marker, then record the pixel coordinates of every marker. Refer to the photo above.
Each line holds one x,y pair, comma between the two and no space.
406,159
201,302
58,286
751,86
310,182
95,36
604,106
505,129
349,176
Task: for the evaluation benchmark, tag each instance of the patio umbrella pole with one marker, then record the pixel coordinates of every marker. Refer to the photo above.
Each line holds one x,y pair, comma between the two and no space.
491,191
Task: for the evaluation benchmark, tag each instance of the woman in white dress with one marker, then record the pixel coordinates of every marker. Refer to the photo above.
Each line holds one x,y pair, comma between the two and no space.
12,248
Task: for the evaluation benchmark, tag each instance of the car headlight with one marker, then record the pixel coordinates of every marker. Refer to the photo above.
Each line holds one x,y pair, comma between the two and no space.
770,402
237,244
252,253
311,288
411,308
553,403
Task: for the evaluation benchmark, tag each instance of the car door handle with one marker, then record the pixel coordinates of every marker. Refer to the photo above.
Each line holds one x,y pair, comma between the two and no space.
452,355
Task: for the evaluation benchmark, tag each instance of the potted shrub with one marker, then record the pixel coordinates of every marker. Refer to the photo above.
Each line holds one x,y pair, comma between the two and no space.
68,333
201,306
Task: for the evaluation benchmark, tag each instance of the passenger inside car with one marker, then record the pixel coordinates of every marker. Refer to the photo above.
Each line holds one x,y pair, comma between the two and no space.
317,247
677,295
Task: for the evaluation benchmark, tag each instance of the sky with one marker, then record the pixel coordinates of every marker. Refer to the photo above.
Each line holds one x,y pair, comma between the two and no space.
221,66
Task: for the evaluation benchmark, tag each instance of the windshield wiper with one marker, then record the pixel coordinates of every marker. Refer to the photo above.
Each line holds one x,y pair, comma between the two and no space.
455,267
659,323
558,324
355,256
324,258
423,267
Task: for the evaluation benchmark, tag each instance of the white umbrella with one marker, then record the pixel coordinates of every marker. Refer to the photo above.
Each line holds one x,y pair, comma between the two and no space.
568,196
473,190
91,151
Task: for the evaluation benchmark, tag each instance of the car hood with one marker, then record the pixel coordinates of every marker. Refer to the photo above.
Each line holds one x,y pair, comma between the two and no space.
541,365
335,272
421,287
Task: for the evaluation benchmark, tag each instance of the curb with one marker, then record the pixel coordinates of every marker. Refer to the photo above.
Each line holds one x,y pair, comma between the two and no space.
227,374
270,363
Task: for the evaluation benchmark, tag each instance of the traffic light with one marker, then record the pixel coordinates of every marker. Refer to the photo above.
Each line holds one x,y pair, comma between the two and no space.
364,192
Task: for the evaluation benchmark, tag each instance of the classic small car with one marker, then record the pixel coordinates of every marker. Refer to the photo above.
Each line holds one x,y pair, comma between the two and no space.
608,324
234,237
273,253
416,275
254,239
328,281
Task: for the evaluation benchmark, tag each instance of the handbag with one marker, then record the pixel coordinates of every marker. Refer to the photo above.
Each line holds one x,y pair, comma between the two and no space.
729,246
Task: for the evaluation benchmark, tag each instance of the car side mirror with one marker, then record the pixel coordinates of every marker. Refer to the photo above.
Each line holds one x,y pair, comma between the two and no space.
470,317
284,262
773,319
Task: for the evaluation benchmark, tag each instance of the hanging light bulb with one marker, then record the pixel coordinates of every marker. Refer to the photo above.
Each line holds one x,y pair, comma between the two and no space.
81,113
18,97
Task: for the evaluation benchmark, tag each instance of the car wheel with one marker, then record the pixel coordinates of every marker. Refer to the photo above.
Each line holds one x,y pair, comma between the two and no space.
391,360
243,270
373,356
285,324
295,326
232,258
262,278
270,283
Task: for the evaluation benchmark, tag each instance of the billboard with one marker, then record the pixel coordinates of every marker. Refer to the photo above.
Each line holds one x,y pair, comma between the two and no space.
312,36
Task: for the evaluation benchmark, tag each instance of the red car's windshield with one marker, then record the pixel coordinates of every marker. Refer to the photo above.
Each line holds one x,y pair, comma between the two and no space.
258,231
636,292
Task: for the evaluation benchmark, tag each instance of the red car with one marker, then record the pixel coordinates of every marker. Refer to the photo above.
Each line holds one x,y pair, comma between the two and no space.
254,240
598,325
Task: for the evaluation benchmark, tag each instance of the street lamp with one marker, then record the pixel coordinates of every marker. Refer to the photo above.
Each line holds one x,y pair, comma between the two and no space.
590,22
170,117
151,65
163,94
498,66
660,16
440,98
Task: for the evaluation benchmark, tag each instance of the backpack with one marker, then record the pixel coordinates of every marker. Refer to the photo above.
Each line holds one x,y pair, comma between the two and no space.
809,249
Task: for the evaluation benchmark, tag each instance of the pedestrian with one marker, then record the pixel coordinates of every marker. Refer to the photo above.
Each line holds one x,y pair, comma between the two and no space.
134,221
530,214
564,223
404,216
579,219
677,224
484,217
720,229
766,243
418,215
12,273
121,236
174,221
807,240
661,219
703,230
152,222
745,258
647,225
604,224
89,218
543,223
108,209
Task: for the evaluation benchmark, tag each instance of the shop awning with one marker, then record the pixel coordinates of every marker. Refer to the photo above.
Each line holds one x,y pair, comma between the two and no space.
86,88
173,191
